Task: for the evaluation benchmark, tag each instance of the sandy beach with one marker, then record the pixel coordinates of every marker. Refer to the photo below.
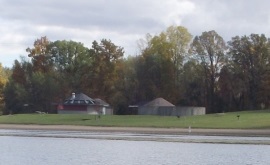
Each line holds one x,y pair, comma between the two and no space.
168,131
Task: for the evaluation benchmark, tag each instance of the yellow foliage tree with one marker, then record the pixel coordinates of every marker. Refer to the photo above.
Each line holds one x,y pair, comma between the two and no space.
3,81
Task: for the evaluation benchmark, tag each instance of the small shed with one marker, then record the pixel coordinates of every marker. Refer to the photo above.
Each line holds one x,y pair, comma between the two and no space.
158,106
82,104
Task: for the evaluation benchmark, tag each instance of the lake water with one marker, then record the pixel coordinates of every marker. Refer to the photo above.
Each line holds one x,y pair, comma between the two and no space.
18,149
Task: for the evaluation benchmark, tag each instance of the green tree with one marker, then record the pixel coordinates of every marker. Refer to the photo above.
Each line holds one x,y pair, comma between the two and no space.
16,91
44,91
161,63
130,79
97,71
232,88
250,55
192,88
126,85
32,83
16,98
179,38
264,90
210,49
72,63
155,71
106,57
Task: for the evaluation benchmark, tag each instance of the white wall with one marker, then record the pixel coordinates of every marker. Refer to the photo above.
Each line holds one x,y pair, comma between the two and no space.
189,111
171,111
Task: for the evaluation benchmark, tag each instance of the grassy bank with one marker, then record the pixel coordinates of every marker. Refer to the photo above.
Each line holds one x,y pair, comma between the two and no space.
247,120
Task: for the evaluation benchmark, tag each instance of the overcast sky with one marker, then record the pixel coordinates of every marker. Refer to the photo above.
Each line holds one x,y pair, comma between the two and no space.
124,22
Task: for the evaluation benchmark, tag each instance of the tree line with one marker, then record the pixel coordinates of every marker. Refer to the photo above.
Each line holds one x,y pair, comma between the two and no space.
189,71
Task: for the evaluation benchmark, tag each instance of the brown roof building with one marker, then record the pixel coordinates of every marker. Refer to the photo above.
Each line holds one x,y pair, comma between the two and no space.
158,106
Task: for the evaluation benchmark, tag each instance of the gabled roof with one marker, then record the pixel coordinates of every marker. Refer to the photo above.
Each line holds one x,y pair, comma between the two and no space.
159,102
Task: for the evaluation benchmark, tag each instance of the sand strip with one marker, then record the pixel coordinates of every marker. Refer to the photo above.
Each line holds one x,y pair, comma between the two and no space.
168,131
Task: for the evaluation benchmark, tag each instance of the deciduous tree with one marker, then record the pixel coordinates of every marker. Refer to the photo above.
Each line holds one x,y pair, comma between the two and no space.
106,56
251,55
40,55
210,49
72,64
4,76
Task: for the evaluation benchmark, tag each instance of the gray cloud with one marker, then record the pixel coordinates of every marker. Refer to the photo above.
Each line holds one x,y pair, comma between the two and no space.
106,15
230,17
123,21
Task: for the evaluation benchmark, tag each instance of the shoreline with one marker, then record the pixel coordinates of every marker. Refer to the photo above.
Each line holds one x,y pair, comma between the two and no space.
145,130
177,135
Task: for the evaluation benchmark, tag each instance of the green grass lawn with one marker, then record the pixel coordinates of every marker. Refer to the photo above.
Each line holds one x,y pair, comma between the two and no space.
247,120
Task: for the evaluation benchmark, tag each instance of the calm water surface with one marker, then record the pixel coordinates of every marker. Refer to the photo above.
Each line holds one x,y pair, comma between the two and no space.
17,150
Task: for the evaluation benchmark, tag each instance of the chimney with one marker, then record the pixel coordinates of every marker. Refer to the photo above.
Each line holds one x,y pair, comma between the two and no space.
73,96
